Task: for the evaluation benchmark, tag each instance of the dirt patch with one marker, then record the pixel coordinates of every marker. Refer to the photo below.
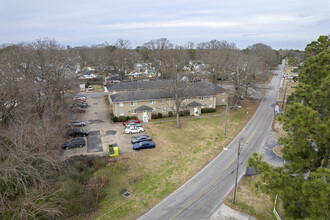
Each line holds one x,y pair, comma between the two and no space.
278,127
279,151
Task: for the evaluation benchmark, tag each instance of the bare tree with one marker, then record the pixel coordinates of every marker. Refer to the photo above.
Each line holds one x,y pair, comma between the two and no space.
120,57
245,72
173,67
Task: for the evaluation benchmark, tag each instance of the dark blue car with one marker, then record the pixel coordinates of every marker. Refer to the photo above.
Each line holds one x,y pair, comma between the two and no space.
143,145
140,138
73,143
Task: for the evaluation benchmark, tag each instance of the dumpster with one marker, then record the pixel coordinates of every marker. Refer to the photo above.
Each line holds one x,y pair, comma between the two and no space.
113,150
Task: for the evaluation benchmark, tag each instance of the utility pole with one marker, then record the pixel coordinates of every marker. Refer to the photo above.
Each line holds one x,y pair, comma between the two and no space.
226,118
238,152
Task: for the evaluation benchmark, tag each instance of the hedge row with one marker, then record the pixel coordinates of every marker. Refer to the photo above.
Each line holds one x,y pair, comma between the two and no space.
208,110
121,118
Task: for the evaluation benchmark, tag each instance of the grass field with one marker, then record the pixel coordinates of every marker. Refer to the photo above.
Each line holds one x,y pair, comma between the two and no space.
251,202
151,175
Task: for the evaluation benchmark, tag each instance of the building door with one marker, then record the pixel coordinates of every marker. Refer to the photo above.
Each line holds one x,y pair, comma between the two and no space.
145,117
196,113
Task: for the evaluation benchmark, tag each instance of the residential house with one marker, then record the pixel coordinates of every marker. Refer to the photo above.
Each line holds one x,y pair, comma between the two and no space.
144,98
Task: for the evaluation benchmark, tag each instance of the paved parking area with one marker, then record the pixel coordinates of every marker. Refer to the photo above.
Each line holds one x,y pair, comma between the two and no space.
102,132
94,143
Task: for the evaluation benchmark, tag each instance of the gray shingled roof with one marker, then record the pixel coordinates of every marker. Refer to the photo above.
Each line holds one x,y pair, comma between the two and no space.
142,95
160,84
194,104
143,108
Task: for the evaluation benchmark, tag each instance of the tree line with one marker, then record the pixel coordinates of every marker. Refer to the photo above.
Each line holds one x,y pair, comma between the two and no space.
303,182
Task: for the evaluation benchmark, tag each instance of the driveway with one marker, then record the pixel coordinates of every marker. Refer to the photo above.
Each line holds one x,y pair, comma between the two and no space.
102,131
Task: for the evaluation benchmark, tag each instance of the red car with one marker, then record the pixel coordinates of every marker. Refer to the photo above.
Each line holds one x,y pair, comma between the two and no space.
131,120
80,99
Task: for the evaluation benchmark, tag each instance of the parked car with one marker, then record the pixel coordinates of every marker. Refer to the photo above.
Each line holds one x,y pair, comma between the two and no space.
81,102
90,88
77,123
131,130
76,132
132,124
78,110
140,138
143,145
73,143
131,120
79,98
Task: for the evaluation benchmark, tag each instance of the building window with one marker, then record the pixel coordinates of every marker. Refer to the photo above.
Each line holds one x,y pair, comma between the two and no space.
202,106
211,97
201,98
184,107
164,109
134,103
121,112
133,112
185,100
154,110
152,101
114,92
121,104
210,106
223,100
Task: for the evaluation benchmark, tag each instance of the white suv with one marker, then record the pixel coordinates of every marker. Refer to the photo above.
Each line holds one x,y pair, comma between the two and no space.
132,130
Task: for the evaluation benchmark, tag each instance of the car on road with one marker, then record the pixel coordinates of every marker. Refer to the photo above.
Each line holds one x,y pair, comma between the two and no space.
140,138
132,124
73,143
78,110
143,145
132,130
131,120
76,132
77,123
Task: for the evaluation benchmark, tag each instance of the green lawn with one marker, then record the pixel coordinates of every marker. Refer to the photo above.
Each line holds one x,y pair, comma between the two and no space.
153,174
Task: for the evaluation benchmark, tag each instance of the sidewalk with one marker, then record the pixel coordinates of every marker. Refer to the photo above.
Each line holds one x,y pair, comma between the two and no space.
226,213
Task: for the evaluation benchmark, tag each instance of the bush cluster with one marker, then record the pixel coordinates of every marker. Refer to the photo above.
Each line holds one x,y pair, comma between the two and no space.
184,113
208,110
121,118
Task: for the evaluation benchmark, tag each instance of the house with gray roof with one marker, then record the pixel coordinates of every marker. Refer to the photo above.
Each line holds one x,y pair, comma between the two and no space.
142,99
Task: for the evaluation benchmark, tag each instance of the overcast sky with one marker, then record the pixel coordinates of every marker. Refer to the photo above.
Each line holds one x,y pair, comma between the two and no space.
289,24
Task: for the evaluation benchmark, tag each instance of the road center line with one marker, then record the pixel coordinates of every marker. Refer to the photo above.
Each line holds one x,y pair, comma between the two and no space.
216,178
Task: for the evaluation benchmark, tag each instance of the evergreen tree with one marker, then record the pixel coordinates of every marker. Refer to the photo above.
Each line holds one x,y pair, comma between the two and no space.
303,183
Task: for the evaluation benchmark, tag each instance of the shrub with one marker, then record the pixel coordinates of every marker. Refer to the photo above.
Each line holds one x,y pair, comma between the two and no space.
121,118
186,112
208,110
170,114
87,84
115,119
160,115
127,118
112,116
154,116
134,117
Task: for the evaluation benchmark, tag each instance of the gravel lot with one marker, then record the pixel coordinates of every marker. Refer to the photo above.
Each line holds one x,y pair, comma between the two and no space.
103,131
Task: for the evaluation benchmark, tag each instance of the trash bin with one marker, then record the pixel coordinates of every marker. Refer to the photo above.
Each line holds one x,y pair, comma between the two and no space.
113,150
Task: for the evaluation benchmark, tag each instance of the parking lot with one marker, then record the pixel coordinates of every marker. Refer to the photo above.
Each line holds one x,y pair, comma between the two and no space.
102,132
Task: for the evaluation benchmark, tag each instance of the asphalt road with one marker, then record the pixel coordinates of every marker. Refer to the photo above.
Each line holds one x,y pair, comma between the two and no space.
202,195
